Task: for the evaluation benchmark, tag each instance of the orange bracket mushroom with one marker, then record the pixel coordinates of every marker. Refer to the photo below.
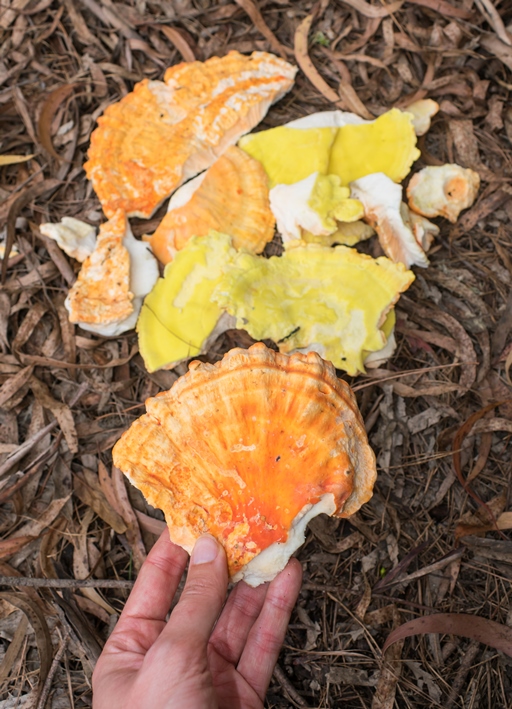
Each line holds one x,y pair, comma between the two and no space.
249,450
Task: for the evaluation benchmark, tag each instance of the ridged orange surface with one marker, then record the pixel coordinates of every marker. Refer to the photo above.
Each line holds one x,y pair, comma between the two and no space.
101,293
161,134
239,448
232,198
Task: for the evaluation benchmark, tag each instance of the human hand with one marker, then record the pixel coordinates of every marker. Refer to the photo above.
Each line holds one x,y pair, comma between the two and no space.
205,656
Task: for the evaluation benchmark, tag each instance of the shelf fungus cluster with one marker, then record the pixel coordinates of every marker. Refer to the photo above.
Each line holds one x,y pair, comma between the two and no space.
250,450
325,182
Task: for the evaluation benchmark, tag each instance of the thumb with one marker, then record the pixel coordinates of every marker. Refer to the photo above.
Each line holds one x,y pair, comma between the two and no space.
203,596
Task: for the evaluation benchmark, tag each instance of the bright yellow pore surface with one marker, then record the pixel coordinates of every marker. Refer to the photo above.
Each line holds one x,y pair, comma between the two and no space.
386,145
334,301
178,315
288,155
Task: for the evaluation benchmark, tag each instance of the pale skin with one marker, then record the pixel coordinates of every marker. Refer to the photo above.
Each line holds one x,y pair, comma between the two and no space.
211,653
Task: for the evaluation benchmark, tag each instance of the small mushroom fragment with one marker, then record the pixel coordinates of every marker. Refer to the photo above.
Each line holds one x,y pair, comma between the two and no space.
314,204
178,319
423,230
443,191
333,301
75,237
250,449
382,200
422,111
230,197
163,133
107,295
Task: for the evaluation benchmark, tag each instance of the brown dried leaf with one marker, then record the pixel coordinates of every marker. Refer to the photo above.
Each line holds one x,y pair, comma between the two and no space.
17,205
14,159
133,534
181,44
14,384
60,410
305,63
251,9
444,8
478,523
50,106
36,526
373,11
89,492
150,524
38,622
474,627
9,547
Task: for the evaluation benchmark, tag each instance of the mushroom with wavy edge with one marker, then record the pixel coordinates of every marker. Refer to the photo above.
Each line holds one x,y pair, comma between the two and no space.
163,133
333,301
314,204
107,295
356,148
422,111
230,197
382,200
443,191
250,449
75,237
178,319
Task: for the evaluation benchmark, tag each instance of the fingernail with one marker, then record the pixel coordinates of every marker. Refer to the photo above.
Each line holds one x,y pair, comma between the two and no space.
205,550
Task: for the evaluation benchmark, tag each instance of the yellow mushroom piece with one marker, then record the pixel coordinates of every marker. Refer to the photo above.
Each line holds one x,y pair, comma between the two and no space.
333,301
353,150
315,204
178,318
290,155
386,145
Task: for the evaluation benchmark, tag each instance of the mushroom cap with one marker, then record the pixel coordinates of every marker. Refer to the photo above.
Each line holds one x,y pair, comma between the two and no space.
231,197
443,190
75,237
101,293
422,111
161,134
107,295
349,150
382,200
178,318
244,448
330,300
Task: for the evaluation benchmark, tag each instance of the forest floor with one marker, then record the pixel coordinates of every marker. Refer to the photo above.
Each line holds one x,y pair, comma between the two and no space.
427,543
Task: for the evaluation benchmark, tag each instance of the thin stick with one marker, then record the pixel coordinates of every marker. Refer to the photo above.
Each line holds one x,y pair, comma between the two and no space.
288,687
64,583
398,375
51,674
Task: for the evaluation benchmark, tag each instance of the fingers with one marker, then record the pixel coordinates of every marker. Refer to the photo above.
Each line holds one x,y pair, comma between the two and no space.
156,583
238,616
201,601
266,637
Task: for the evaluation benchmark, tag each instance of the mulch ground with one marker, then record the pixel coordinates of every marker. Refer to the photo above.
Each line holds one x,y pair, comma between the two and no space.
427,542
